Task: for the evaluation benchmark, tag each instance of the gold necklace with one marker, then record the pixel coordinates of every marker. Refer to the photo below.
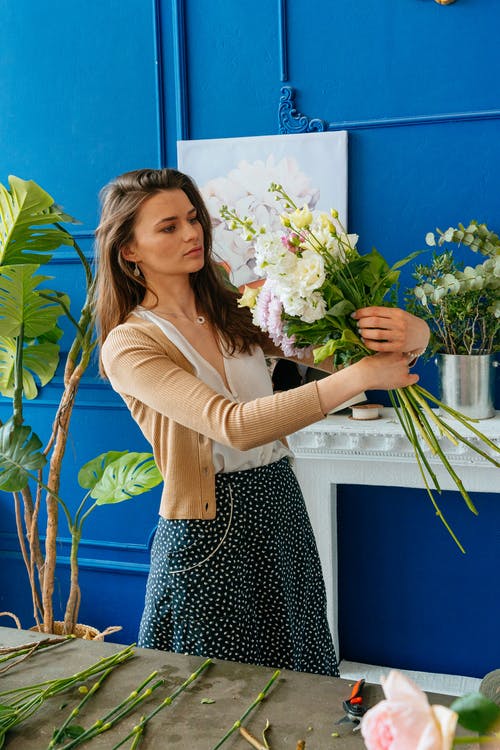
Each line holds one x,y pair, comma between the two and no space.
199,320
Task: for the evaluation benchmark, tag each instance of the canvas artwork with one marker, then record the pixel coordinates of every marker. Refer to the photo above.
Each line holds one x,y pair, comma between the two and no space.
237,172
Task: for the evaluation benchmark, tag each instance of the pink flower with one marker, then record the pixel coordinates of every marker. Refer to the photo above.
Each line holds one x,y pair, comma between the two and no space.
406,721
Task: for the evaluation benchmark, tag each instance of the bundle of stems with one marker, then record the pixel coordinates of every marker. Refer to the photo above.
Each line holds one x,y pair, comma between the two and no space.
424,427
79,735
20,703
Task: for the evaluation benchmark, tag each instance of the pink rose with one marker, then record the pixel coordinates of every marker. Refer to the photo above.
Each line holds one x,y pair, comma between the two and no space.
406,721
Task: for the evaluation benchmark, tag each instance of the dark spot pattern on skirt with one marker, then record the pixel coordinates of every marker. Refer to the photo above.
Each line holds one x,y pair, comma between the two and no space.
246,586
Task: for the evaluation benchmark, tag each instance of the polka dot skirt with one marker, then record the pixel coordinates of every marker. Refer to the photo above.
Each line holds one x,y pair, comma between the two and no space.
246,586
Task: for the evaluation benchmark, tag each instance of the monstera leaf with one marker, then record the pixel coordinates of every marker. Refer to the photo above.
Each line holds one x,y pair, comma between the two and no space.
23,306
91,472
27,218
40,360
116,476
19,456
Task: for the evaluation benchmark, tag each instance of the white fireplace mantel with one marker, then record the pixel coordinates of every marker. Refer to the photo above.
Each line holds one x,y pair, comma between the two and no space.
340,450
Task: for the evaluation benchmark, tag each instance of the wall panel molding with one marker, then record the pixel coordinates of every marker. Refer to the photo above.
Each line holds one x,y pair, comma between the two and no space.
117,557
283,40
292,121
159,83
180,69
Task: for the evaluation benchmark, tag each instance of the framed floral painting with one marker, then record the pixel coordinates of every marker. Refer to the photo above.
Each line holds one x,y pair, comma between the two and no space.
237,172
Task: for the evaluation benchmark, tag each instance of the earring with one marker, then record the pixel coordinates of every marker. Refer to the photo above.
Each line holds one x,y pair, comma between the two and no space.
136,271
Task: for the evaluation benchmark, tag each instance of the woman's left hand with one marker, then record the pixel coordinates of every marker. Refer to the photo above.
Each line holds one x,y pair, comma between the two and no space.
390,329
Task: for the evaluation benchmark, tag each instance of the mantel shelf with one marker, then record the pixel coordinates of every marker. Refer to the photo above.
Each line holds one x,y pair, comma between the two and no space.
340,437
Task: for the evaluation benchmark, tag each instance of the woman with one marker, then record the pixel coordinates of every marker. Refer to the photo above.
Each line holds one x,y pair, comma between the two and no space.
234,567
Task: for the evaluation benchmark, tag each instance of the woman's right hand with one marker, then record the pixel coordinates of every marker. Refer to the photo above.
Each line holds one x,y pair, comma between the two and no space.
382,371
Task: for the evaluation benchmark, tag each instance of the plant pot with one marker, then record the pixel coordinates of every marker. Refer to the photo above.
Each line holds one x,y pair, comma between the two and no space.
86,632
467,383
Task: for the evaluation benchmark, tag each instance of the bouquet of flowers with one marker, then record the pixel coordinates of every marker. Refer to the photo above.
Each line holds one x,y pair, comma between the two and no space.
313,279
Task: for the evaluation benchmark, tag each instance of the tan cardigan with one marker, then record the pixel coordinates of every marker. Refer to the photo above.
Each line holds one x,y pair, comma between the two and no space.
180,416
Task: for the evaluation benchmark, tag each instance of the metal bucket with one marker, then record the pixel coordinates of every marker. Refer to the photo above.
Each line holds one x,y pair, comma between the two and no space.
467,383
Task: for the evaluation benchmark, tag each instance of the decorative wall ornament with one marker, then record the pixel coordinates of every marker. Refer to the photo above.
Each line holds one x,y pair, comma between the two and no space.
291,121
445,2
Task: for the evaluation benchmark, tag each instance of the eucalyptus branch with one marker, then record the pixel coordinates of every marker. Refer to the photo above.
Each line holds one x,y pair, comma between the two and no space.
254,704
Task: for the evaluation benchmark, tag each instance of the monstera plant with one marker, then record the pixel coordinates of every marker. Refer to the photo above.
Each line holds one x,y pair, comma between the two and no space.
30,353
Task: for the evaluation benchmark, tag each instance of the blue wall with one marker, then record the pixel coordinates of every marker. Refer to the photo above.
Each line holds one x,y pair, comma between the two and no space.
90,90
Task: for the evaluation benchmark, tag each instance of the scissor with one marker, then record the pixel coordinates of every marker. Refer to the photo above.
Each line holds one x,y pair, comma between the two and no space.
353,706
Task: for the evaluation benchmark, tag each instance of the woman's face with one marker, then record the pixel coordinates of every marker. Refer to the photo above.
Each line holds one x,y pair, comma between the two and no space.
168,237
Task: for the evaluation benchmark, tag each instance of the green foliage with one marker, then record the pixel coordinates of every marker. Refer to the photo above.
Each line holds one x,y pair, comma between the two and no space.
116,476
460,304
476,712
29,355
20,456
27,218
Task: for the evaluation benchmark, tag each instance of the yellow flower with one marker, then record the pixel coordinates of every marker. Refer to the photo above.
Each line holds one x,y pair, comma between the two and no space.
301,217
249,297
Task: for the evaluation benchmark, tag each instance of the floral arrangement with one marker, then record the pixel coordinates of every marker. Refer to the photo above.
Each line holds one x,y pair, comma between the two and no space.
406,721
313,279
461,305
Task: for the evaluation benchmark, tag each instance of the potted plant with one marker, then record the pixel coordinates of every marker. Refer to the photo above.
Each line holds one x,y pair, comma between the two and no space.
30,230
462,307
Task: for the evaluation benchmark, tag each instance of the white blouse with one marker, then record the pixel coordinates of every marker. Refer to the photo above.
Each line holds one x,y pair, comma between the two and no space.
248,378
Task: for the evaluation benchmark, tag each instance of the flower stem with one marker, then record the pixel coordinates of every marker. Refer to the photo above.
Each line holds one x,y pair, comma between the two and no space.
403,414
166,702
250,708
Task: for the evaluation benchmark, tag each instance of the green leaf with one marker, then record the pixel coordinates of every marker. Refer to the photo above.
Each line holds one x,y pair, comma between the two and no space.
73,731
341,309
92,471
27,218
207,700
21,305
407,259
476,712
127,476
40,362
19,456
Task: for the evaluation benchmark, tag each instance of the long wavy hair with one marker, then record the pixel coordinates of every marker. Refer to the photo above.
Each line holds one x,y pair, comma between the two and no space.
118,291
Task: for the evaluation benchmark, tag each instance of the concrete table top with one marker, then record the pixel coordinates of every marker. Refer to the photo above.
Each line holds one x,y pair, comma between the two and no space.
298,706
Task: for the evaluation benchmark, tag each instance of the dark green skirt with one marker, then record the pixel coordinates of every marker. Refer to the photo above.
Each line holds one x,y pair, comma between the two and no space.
246,586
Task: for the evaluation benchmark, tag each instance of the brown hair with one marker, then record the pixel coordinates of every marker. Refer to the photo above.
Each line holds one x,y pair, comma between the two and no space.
118,291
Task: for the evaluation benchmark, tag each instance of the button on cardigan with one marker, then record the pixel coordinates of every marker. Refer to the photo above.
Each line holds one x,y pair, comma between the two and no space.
176,412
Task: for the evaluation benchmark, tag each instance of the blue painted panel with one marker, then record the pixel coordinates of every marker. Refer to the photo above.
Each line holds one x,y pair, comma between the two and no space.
233,68
369,60
77,96
407,596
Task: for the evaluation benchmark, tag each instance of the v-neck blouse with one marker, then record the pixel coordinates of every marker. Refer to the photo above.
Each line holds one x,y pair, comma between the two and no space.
248,378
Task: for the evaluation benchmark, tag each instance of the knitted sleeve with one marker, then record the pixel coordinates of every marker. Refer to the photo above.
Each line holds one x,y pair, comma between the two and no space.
140,365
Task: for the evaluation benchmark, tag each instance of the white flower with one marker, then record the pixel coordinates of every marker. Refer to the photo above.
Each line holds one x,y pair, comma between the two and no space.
245,189
309,272
272,258
309,310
